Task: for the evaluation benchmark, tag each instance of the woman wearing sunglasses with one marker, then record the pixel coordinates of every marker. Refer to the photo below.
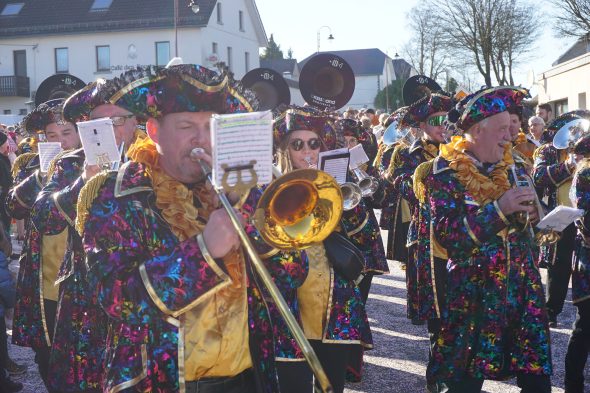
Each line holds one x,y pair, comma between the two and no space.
330,308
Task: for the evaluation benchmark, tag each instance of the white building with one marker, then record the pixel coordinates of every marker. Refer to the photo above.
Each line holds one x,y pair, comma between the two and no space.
566,85
94,39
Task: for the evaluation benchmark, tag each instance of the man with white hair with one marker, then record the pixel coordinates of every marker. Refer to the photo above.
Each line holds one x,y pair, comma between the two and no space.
494,324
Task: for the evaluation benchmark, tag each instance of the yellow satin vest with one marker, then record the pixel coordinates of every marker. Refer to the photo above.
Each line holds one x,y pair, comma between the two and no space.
53,249
314,294
216,331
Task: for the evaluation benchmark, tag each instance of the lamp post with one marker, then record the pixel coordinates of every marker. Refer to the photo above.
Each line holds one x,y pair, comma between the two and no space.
387,78
194,8
330,37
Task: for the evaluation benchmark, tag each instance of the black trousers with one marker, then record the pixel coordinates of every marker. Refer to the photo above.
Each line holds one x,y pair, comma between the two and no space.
558,274
526,382
577,350
42,354
296,377
3,349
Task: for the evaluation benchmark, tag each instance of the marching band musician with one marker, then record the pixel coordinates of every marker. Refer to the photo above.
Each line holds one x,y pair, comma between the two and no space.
361,224
76,362
579,343
36,304
429,113
186,312
552,174
332,311
395,218
495,323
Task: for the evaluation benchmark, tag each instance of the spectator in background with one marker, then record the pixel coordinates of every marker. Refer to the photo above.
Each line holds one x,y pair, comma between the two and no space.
5,178
7,298
370,113
545,112
536,125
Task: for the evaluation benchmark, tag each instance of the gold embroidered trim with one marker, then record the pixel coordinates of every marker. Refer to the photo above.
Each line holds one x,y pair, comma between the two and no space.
61,210
137,379
162,306
501,214
360,227
470,232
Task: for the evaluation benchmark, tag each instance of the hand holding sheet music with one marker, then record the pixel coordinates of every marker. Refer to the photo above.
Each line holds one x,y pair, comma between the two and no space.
559,218
98,141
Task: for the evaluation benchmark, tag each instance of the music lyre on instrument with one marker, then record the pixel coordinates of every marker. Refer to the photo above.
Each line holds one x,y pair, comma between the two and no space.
279,218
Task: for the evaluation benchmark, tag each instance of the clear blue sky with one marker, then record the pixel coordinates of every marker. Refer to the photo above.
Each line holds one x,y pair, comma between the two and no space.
372,23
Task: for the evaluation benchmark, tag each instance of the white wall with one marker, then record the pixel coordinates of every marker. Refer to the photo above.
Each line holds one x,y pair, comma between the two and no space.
566,81
365,90
194,46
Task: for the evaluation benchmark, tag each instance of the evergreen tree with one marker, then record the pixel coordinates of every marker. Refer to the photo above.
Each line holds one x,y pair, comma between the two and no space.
273,50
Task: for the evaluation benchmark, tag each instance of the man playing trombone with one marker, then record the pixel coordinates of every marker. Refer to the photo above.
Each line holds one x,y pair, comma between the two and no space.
186,310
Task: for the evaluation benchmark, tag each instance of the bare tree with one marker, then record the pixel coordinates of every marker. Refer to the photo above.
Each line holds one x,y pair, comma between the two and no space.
493,34
573,17
425,50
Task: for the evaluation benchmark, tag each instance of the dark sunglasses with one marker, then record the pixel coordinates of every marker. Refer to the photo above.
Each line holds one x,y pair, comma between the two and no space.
436,121
313,144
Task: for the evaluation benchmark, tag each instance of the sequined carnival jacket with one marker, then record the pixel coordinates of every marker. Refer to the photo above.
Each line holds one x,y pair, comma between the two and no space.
404,162
495,323
76,359
552,178
581,258
29,327
363,230
147,280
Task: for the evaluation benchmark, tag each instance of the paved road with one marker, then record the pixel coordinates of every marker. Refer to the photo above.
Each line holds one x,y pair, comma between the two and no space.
397,364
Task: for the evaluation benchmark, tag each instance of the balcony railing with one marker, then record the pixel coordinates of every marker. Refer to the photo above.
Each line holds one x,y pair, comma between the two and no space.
14,86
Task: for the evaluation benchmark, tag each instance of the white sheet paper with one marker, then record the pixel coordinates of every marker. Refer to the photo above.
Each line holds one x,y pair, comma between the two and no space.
335,163
238,140
47,152
357,156
559,218
98,141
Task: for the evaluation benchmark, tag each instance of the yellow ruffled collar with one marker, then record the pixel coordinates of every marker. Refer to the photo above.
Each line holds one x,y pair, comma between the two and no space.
484,189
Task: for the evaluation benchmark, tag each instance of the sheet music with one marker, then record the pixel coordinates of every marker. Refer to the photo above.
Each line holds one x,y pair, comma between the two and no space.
239,140
358,156
98,141
47,152
335,163
559,218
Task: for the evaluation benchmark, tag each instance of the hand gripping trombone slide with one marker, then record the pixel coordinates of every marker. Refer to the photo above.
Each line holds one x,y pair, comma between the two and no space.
274,292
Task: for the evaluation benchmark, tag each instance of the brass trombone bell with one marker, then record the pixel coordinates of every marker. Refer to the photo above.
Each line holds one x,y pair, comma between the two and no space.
299,209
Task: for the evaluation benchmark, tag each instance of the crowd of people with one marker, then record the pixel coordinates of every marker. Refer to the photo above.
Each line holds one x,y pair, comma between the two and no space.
134,278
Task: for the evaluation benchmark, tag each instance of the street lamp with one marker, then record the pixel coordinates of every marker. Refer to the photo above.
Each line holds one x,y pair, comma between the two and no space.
330,37
194,8
387,78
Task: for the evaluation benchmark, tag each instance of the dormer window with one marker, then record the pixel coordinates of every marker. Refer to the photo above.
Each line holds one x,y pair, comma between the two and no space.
12,9
101,5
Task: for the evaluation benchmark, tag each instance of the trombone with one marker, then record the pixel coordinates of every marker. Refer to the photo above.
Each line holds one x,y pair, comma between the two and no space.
281,224
352,193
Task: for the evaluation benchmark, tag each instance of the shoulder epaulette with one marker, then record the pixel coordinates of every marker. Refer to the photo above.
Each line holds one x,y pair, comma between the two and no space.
396,160
21,161
422,171
87,195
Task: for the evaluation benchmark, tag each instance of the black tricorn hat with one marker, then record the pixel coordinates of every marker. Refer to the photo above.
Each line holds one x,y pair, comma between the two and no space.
57,86
270,87
417,87
326,81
